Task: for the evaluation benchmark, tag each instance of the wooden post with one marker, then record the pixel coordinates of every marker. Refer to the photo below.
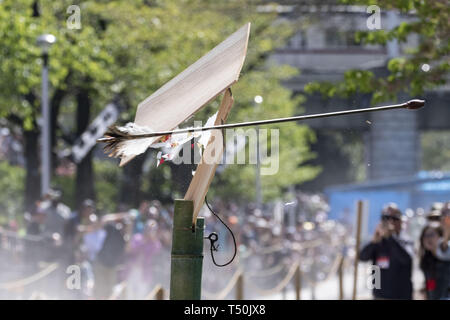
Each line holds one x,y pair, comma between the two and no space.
240,287
341,278
298,283
156,294
357,245
312,279
187,253
160,294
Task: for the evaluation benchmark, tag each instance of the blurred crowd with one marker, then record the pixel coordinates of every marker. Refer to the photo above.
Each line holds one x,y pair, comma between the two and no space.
132,246
125,254
107,248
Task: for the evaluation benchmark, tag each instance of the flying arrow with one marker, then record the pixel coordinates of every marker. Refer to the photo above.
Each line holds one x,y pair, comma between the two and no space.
114,134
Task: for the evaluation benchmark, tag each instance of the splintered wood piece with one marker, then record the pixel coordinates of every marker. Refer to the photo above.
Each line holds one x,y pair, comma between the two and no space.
197,85
211,157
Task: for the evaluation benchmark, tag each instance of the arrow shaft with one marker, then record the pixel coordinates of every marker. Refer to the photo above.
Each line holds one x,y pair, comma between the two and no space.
412,104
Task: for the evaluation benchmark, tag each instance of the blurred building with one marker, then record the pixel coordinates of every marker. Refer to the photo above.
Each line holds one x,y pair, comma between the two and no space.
417,192
323,49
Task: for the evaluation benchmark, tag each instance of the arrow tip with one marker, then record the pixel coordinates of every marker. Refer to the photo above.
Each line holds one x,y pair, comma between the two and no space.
415,104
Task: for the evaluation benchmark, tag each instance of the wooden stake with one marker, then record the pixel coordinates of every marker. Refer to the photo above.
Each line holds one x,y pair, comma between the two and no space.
357,245
239,286
341,278
156,294
298,283
160,294
187,253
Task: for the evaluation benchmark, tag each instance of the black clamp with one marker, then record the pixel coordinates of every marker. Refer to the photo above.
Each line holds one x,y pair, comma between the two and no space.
213,238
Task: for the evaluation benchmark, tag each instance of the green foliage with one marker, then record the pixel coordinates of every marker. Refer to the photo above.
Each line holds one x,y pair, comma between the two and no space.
77,51
107,175
11,184
435,150
130,49
430,25
66,184
159,184
354,81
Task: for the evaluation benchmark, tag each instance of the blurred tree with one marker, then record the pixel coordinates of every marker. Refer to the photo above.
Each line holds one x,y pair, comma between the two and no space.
127,50
435,150
76,55
423,67
11,197
107,175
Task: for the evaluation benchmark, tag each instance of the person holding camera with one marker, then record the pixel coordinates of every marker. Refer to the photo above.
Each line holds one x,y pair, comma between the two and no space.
392,254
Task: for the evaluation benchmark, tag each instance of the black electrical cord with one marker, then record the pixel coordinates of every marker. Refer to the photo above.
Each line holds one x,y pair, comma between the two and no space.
212,241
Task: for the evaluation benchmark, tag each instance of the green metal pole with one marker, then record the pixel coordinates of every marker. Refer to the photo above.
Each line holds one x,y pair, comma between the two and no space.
187,253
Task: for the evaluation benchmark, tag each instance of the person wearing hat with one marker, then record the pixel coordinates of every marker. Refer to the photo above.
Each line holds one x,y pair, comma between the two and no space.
435,212
392,254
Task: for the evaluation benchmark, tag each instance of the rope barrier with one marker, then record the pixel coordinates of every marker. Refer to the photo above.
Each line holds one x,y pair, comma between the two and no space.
334,267
262,250
27,281
295,247
278,287
267,272
225,291
119,289
306,244
218,296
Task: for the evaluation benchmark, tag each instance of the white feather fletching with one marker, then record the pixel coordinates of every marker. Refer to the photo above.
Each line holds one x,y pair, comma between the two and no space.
129,148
